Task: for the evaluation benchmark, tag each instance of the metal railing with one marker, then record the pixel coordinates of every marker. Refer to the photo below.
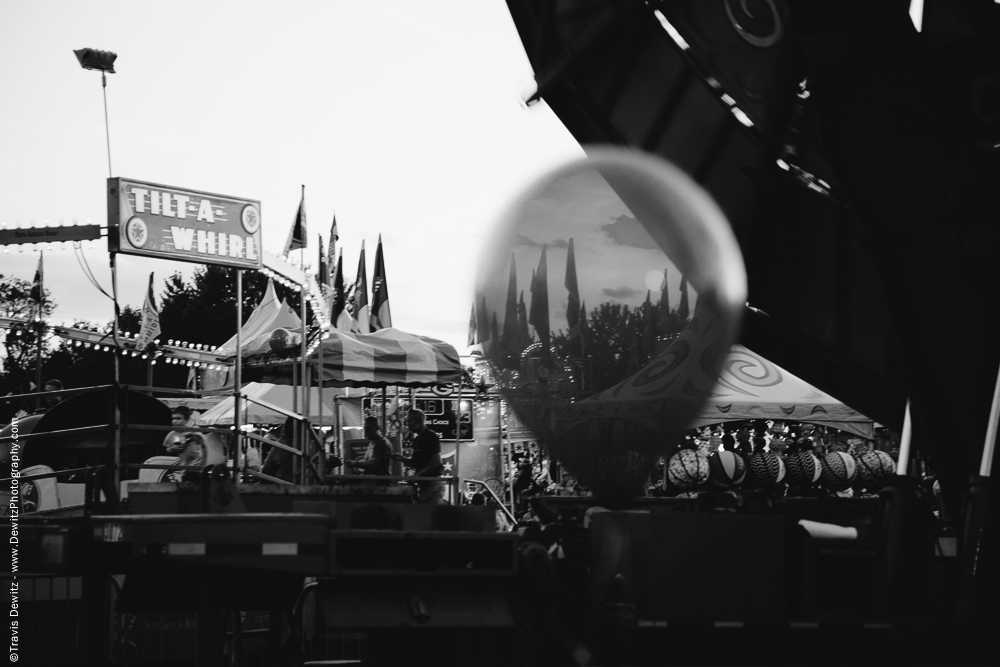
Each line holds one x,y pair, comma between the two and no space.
507,512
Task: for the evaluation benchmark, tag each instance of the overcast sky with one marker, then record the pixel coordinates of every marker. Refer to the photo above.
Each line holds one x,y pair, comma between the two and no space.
402,117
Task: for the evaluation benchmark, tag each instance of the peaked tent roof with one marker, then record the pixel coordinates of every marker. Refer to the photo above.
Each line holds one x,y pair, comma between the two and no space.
751,387
680,382
387,357
269,315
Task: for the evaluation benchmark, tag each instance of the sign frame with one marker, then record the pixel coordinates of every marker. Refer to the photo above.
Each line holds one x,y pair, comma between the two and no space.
437,422
208,218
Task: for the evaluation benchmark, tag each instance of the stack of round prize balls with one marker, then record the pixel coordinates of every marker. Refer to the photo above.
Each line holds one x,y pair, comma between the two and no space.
875,469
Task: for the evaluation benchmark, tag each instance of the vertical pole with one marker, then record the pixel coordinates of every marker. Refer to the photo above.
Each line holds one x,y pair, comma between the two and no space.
510,459
384,411
303,383
239,462
458,440
40,331
336,427
904,443
296,429
115,390
991,433
307,441
107,132
319,383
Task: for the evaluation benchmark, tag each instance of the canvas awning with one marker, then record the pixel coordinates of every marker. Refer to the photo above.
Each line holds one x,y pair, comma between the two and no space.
270,314
387,358
678,386
751,387
264,397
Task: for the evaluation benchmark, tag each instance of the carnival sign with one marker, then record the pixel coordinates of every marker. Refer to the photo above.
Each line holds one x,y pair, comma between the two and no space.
185,225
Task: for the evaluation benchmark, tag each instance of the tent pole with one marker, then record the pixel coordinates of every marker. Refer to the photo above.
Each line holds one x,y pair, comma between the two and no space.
296,429
319,382
303,385
510,458
384,410
336,426
457,488
238,378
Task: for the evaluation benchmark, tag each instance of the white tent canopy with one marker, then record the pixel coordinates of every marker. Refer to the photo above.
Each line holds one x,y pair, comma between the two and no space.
681,382
751,387
269,315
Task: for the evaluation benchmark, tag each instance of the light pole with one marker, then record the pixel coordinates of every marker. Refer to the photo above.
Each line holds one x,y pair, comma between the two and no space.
104,62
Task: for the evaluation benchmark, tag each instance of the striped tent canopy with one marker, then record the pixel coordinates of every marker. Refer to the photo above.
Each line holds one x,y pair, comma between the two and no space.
266,403
387,358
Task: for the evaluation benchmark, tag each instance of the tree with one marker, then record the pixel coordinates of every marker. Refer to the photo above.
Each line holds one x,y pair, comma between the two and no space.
621,338
204,311
21,341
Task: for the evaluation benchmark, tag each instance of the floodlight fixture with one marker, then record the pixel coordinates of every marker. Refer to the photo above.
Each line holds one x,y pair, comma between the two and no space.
103,61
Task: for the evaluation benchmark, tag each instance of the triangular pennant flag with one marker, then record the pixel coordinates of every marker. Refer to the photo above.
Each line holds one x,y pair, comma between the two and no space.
331,251
473,328
538,315
297,235
682,310
340,315
360,323
381,318
483,319
511,338
150,320
664,296
522,323
323,276
573,304
37,293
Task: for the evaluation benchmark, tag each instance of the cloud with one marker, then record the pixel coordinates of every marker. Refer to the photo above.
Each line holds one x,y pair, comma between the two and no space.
629,232
620,293
521,239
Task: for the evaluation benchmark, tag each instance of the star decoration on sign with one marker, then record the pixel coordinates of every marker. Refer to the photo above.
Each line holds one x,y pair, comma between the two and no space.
447,467
482,389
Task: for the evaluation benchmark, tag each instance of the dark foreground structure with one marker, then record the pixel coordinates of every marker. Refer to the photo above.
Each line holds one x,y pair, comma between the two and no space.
857,161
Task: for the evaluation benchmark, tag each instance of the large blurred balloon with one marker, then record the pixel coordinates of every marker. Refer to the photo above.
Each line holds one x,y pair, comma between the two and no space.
607,298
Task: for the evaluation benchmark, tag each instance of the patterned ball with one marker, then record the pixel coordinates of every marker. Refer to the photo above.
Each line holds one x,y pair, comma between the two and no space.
875,469
803,469
726,469
688,469
766,469
838,470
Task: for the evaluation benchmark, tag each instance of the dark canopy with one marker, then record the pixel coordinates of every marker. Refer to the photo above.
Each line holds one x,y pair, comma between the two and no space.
857,161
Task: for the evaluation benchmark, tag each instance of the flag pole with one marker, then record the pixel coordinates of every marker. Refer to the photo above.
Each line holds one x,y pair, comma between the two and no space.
38,352
302,379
